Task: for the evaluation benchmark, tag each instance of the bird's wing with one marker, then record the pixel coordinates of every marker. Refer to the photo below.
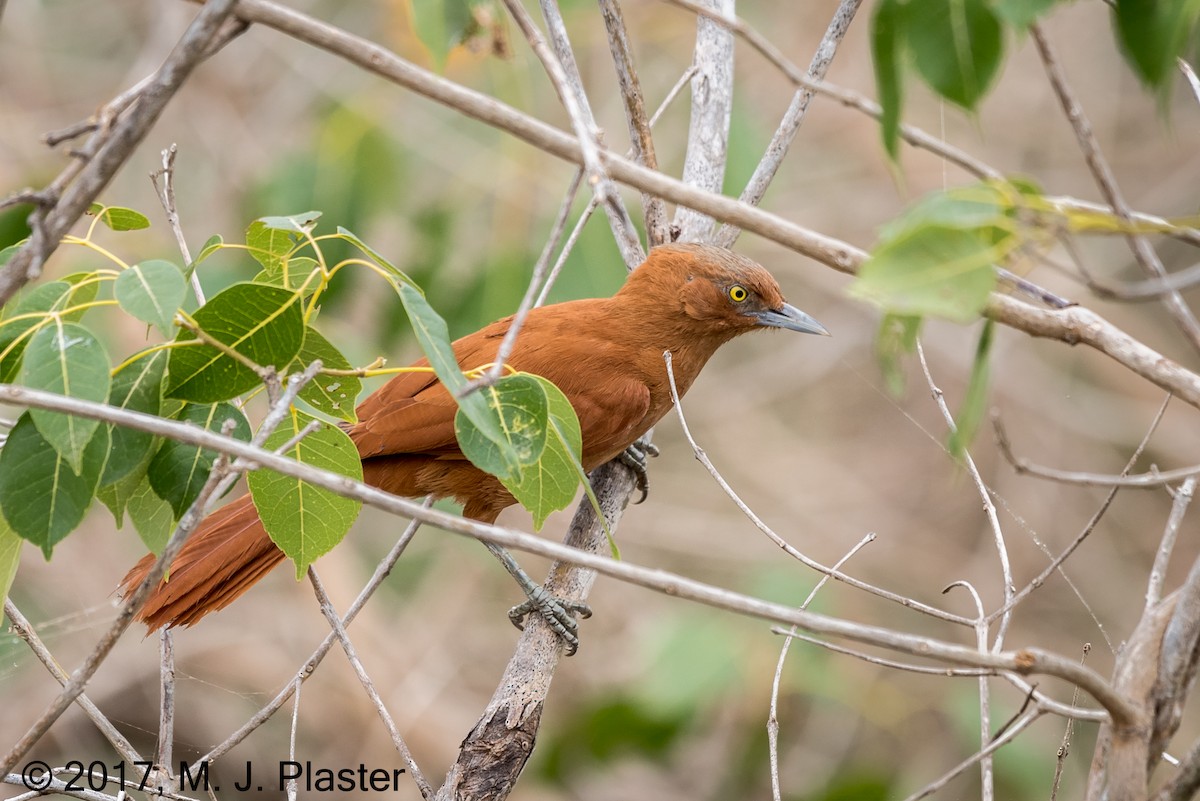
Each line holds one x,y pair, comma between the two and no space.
612,415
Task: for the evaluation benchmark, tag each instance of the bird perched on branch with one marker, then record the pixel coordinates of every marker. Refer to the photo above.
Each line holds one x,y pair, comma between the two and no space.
605,354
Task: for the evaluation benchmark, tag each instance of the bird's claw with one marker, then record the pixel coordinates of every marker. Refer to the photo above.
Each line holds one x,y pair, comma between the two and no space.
559,614
634,457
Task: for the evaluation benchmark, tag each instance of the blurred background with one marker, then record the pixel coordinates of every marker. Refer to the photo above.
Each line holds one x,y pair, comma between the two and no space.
664,699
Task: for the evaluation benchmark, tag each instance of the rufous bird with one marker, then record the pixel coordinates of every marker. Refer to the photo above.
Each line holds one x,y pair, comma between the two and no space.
605,354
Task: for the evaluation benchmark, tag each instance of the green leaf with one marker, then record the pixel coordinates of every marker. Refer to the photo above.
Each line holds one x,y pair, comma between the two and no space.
178,470
886,51
304,520
335,395
269,245
7,253
67,359
42,498
520,407
292,272
263,323
549,484
434,339
1154,33
117,494
118,218
10,557
966,207
970,414
136,386
897,338
152,292
152,517
211,245
957,46
1022,13
930,271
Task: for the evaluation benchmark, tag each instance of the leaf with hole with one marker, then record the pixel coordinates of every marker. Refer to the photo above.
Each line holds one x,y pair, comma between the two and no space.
178,470
67,359
41,497
152,292
265,324
549,483
304,520
518,406
334,395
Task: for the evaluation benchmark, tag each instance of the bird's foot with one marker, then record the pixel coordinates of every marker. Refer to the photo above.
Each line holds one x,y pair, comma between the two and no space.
634,457
559,614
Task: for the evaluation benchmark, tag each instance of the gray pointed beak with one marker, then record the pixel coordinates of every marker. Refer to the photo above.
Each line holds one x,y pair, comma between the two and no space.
789,317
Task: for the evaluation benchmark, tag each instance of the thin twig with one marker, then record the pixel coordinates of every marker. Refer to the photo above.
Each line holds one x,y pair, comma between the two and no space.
987,780
493,373
166,196
382,571
654,209
1056,563
1064,748
779,541
1158,573
989,508
995,745
773,715
618,217
339,630
22,628
1106,181
290,784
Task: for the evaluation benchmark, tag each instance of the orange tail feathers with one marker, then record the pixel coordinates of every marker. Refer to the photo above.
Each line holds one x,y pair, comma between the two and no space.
224,557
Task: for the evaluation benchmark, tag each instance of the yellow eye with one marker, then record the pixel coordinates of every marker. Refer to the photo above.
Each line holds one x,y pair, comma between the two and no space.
738,293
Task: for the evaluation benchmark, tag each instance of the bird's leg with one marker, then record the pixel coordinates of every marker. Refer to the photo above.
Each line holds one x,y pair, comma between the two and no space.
634,457
559,613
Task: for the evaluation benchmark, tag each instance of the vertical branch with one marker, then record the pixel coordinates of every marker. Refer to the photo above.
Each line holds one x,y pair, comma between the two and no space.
618,218
712,107
782,139
166,715
654,208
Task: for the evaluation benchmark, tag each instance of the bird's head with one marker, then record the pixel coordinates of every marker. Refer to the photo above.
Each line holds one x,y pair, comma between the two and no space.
717,290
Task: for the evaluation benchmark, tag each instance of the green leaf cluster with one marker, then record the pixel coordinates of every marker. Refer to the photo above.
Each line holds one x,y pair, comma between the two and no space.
956,47
248,336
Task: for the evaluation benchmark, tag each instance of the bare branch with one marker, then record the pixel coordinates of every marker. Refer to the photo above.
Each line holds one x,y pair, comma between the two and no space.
793,118
1158,573
779,541
635,115
712,105
166,196
989,508
1004,739
1143,253
339,630
618,217
22,628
